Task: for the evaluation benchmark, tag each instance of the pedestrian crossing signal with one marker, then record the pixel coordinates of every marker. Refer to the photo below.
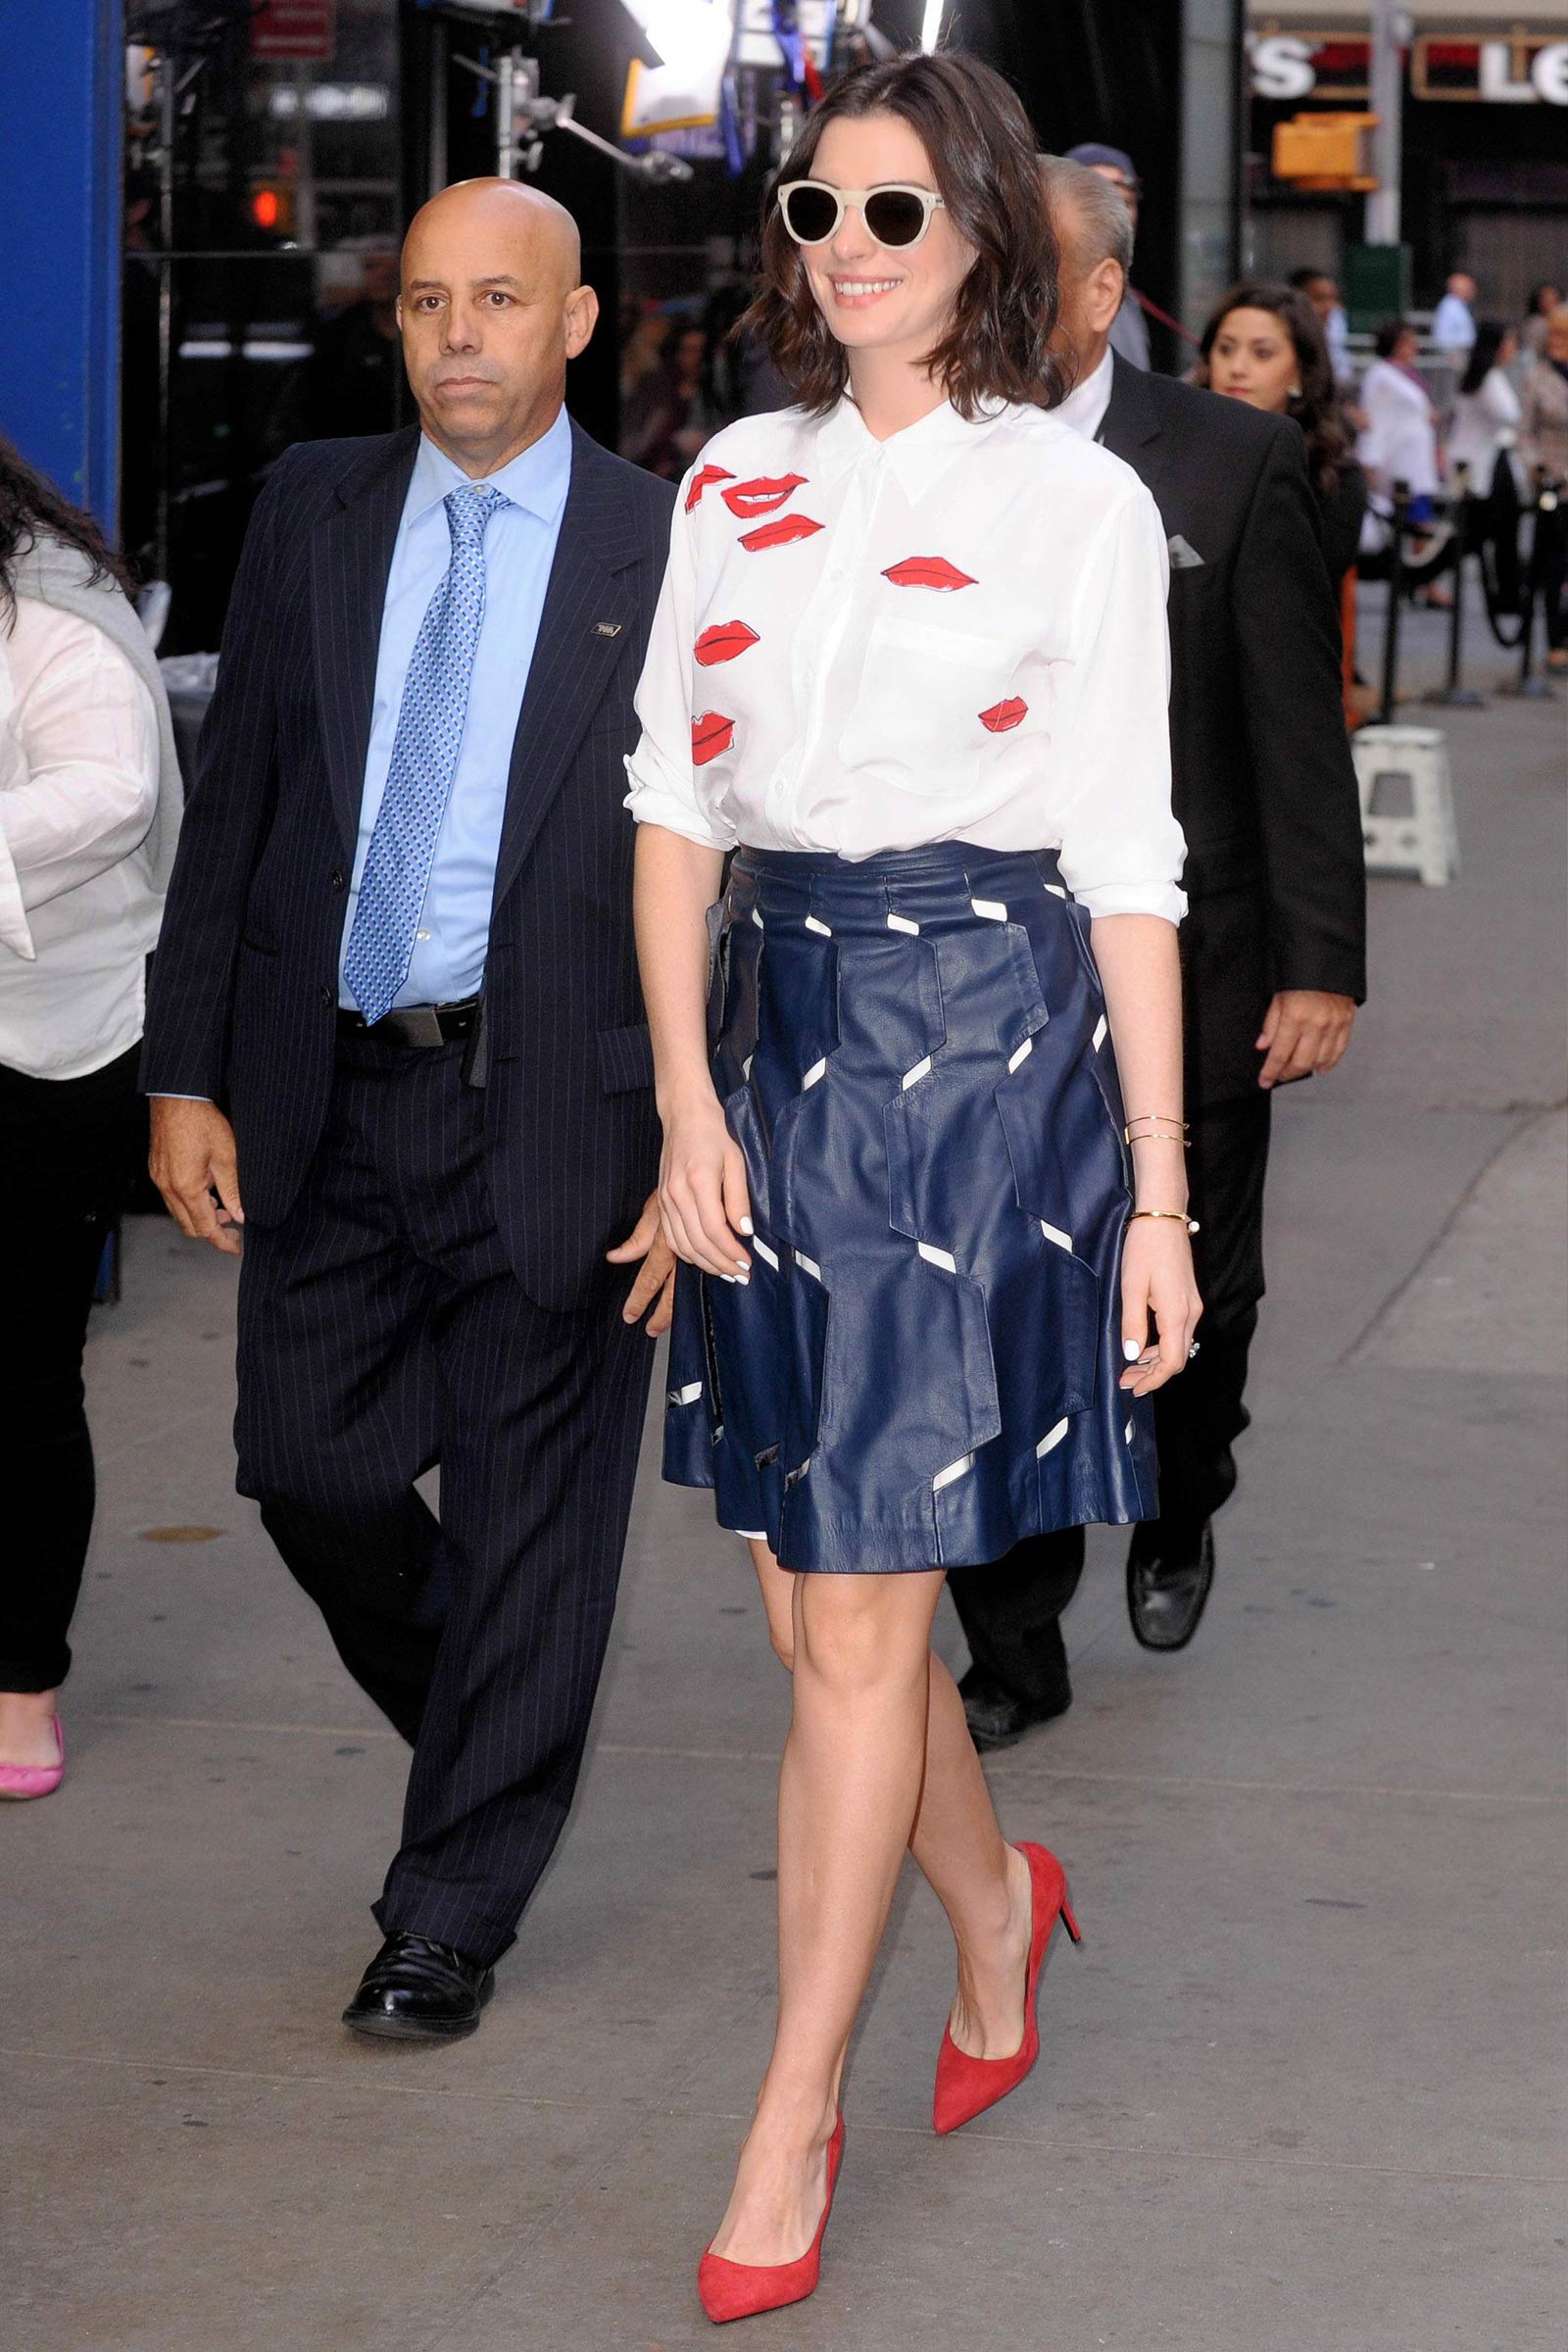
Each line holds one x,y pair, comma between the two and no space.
1324,151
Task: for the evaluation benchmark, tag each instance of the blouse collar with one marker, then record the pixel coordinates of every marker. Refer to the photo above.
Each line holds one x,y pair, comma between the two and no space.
918,456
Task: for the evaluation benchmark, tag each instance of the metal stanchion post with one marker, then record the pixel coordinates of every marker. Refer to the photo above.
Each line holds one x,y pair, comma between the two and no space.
1454,696
1526,687
1391,639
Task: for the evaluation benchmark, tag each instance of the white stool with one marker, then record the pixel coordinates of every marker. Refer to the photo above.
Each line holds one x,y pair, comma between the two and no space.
1425,840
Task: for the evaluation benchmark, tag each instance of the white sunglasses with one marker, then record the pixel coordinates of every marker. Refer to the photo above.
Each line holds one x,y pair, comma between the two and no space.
897,214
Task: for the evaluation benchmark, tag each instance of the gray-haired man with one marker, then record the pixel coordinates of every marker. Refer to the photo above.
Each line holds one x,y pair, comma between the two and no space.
1273,944
1129,329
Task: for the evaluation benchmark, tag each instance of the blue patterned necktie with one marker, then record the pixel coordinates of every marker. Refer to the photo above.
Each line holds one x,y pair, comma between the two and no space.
424,759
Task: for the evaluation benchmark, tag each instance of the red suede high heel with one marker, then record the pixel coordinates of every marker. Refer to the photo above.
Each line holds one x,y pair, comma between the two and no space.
967,2087
739,2290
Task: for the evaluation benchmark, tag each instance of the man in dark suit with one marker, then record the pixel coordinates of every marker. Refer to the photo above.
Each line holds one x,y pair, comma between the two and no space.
1273,944
397,997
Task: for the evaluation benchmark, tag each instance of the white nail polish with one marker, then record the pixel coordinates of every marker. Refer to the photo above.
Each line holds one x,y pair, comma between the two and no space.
746,1226
1129,1348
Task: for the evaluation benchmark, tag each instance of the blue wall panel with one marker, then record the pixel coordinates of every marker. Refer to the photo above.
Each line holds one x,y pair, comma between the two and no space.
62,79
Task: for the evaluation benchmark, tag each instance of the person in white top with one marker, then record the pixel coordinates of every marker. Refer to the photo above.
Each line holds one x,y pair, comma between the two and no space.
1487,414
909,675
1453,322
1400,439
87,813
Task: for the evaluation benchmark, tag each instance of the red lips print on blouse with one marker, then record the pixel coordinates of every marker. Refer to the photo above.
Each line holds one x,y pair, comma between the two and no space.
926,571
779,533
722,642
762,496
701,480
712,733
1003,716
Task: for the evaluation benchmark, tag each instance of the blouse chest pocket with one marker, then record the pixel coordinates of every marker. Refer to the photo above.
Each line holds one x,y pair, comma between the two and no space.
920,716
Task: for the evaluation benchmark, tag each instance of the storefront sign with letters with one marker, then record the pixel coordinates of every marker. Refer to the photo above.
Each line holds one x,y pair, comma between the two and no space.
1521,69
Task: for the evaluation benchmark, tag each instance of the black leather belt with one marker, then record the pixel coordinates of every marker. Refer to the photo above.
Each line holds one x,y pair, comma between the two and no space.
413,1024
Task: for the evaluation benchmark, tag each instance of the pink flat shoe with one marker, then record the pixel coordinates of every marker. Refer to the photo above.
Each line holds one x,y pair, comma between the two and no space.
19,1781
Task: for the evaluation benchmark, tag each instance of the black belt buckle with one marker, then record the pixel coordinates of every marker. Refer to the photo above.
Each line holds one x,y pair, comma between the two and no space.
411,1025
418,1027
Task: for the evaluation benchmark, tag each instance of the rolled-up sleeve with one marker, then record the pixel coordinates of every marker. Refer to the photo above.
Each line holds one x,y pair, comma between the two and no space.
659,771
1122,851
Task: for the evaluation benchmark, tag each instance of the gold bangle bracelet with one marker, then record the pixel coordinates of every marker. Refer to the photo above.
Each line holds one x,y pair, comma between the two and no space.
1165,1118
1176,1216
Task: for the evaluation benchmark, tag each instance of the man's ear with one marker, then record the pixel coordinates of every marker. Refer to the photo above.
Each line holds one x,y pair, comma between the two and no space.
1104,293
582,316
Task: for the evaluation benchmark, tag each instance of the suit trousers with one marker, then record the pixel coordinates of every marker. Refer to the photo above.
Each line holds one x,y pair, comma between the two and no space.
1010,1610
382,1332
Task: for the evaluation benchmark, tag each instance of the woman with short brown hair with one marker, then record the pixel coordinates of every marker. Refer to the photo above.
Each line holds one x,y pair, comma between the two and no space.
909,668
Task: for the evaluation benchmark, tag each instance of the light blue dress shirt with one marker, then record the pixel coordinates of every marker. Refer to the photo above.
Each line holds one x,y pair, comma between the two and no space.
519,547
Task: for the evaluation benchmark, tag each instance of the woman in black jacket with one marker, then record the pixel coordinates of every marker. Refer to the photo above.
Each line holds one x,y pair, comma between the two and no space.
1264,345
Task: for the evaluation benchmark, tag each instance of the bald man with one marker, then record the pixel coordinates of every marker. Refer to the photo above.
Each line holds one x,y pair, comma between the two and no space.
395,1035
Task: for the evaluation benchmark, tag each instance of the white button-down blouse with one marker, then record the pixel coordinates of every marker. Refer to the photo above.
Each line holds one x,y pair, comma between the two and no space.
955,634
78,789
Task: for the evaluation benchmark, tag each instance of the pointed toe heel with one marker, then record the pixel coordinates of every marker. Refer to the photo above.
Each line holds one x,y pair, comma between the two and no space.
739,2290
967,2087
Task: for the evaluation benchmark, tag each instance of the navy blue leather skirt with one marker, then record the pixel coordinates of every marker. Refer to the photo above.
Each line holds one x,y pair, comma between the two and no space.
912,1055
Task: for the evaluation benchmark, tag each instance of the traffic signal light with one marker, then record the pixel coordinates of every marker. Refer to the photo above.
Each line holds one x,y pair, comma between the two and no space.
273,209
1323,151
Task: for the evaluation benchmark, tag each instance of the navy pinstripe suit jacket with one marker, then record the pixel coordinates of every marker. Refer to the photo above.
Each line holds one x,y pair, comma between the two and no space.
243,1006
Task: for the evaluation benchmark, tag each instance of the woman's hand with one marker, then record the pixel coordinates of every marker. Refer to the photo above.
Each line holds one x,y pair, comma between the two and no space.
702,1198
1157,1282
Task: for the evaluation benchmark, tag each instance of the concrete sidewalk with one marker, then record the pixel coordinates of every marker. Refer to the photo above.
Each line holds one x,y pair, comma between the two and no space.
1299,2089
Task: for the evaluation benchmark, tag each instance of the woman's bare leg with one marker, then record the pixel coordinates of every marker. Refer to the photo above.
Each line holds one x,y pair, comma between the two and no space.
980,1880
855,1781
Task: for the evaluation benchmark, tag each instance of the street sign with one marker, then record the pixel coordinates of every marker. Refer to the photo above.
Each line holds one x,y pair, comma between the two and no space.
295,31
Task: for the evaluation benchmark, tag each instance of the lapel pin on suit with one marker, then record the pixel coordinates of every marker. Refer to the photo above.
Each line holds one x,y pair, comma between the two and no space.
607,628
1184,556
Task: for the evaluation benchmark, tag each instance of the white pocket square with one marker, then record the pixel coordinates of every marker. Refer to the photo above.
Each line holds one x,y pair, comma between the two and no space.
1182,557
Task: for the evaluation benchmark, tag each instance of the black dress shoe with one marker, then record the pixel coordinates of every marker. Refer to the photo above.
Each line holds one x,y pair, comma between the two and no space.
1169,1571
416,1990
997,1717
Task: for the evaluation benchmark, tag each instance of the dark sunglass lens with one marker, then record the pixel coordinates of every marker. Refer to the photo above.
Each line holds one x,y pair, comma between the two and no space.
894,216
810,213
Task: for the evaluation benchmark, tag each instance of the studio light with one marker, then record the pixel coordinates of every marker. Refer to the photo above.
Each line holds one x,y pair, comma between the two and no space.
931,23
686,34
